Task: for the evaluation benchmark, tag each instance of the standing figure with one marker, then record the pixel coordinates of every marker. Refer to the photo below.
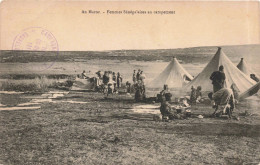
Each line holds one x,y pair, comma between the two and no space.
105,82
218,79
119,80
98,73
198,94
134,77
139,91
105,78
114,78
142,77
98,77
193,95
138,75
165,94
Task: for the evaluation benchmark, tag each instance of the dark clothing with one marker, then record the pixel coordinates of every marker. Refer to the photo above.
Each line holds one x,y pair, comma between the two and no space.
114,78
218,78
138,76
139,92
193,96
105,79
165,109
198,94
98,74
128,87
255,78
165,94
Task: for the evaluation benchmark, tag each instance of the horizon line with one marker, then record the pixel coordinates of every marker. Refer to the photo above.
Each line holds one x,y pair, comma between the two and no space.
127,49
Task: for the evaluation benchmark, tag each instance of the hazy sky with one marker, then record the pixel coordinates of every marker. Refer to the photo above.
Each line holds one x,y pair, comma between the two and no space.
193,24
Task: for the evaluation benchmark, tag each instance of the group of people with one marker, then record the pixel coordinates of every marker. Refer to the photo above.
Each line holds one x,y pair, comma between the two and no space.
106,81
196,95
138,76
111,77
221,96
110,81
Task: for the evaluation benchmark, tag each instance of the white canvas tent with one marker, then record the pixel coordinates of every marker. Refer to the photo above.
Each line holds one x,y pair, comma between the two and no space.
233,75
82,84
251,91
243,66
174,75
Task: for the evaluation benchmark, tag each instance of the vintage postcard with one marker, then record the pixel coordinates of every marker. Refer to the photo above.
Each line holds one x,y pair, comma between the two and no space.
129,82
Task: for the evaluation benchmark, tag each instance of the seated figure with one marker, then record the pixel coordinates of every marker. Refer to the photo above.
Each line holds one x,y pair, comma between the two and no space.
84,75
198,94
165,109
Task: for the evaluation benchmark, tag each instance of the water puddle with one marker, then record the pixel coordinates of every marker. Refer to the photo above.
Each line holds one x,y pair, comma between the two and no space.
50,98
57,101
18,108
148,106
29,103
75,102
41,100
61,92
10,92
153,109
37,100
2,105
150,109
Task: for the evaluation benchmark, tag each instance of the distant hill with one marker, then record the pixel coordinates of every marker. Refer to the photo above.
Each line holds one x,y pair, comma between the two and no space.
185,55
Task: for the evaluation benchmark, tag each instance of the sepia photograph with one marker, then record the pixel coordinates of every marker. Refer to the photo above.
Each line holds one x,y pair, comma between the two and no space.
129,82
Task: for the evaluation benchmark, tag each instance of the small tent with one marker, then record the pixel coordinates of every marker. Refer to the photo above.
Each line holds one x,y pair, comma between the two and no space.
174,75
233,75
243,66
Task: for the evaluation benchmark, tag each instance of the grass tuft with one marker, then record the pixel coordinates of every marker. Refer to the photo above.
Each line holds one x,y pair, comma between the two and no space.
28,85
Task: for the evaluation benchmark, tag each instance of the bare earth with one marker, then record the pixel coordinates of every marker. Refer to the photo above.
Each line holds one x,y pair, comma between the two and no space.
106,131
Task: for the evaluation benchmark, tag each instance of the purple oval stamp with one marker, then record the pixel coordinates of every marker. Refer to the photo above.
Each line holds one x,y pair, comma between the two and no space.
39,40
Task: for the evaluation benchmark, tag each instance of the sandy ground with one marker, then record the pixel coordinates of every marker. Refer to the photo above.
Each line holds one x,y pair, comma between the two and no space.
106,131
